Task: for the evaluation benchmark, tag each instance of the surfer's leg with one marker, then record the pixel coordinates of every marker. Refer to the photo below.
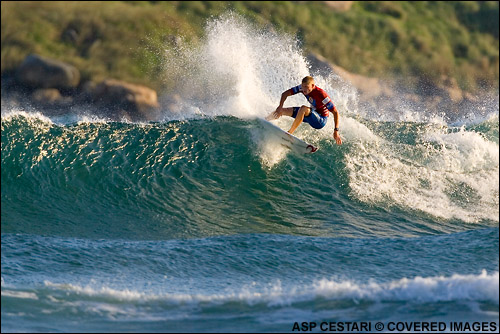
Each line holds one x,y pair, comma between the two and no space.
299,117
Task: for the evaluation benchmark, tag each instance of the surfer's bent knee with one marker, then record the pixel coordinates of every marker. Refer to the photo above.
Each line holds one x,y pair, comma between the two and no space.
305,110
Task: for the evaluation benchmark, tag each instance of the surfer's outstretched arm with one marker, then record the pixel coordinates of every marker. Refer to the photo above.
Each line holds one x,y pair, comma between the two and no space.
279,111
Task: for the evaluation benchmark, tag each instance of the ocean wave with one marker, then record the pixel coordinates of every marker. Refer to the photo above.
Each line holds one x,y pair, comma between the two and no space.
145,172
418,290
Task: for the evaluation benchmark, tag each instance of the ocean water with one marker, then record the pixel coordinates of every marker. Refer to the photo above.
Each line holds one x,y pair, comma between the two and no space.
199,223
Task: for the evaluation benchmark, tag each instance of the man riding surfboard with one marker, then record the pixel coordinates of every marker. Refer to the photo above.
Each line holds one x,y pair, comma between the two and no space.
317,116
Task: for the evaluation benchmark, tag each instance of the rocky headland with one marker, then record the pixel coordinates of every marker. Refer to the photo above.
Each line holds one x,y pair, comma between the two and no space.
55,88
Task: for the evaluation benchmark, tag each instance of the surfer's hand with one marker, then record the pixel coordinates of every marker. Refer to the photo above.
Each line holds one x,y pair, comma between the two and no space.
337,138
278,112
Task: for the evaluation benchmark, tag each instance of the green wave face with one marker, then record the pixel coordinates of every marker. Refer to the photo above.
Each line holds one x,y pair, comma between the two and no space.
219,176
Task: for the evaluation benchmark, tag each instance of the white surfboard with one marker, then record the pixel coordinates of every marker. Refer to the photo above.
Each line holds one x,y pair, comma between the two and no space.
287,140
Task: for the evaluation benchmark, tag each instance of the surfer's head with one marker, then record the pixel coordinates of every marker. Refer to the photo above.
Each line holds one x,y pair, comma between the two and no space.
307,84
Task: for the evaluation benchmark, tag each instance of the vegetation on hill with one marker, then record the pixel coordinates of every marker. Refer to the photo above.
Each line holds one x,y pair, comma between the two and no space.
423,42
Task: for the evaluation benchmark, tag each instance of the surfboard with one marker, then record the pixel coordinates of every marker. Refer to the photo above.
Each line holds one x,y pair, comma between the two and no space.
287,140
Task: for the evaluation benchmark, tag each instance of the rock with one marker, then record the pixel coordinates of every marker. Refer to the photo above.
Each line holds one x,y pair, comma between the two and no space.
41,72
50,97
140,103
51,102
85,93
46,95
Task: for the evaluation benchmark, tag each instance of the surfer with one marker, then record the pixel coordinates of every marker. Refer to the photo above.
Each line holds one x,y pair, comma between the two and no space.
317,116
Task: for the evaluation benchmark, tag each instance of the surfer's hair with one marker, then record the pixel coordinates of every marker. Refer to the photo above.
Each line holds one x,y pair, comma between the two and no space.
308,80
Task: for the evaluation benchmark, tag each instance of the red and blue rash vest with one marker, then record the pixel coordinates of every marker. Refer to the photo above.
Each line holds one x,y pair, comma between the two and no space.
318,98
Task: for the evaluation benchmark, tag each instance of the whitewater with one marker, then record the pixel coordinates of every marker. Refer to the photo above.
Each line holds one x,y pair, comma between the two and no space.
197,222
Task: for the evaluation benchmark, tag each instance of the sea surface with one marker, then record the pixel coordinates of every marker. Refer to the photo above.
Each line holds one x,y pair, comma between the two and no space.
198,222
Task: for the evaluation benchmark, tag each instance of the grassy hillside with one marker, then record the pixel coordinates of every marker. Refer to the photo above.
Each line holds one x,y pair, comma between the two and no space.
419,41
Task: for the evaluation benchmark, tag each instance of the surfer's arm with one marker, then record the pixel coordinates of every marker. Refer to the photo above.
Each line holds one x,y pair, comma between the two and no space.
336,118
284,96
333,109
279,111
